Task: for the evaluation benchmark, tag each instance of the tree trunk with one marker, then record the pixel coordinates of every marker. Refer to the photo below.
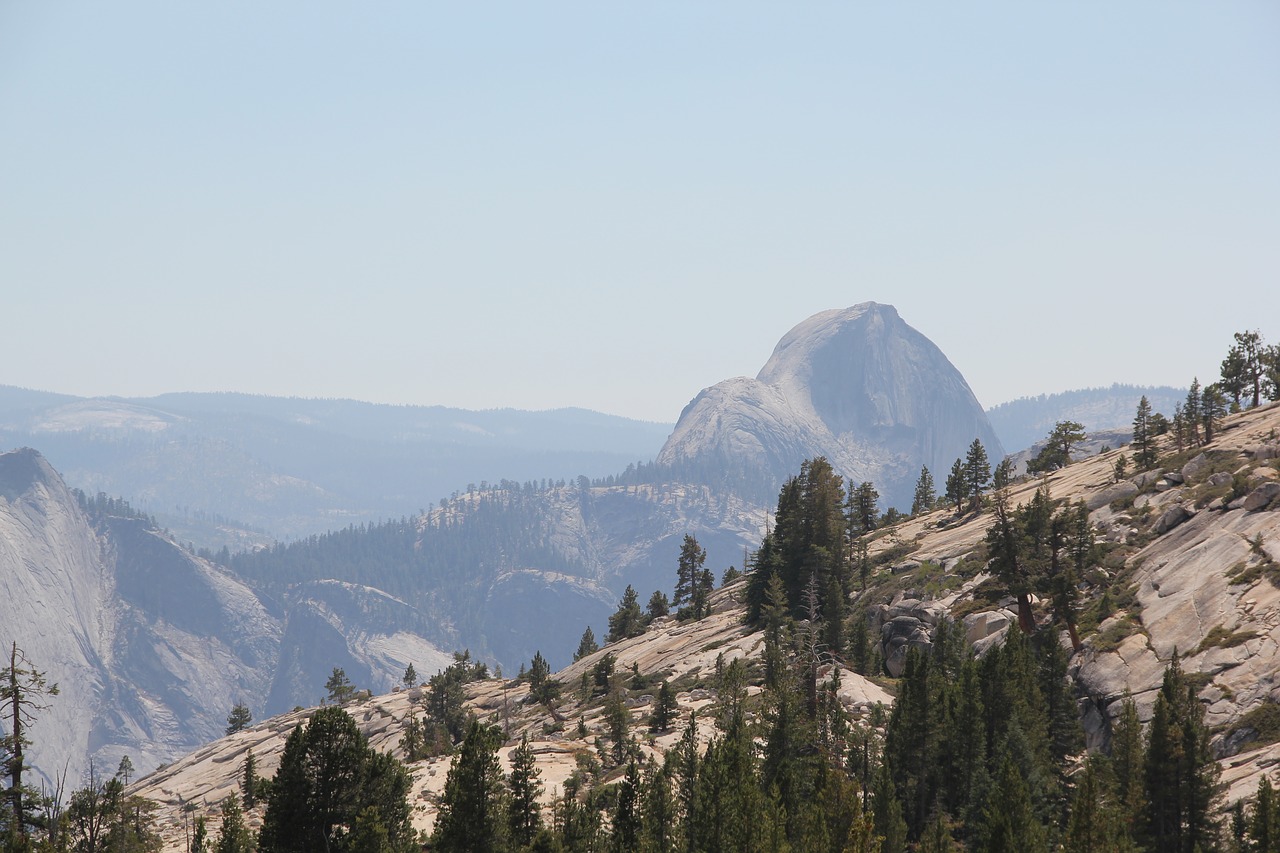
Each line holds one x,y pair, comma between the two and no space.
1026,621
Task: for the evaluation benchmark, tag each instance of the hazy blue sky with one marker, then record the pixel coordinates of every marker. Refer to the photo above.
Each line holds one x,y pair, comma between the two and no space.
615,205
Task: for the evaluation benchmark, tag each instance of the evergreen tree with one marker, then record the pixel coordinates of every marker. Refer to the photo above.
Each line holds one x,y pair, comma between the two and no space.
200,836
1056,452
1009,822
627,620
863,509
249,781
587,645
627,822
977,473
700,601
1264,822
659,812
124,770
472,810
1191,414
542,687
658,605
692,556
957,487
410,678
233,835
924,497
1213,408
23,693
1144,437
524,817
339,687
327,779
1244,371
664,708
1180,774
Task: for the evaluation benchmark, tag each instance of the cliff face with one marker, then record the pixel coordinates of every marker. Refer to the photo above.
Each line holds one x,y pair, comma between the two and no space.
858,386
151,646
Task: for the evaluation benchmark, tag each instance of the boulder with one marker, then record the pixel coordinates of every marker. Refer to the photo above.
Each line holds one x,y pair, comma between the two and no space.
1221,478
1174,478
897,636
1123,490
979,626
1264,452
1147,479
1195,467
1261,497
1171,518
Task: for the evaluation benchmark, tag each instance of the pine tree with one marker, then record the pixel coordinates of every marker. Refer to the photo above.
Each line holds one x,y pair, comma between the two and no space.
472,815
700,601
658,605
23,692
1264,820
587,645
658,812
233,835
524,817
1009,822
1144,437
1213,408
410,678
339,687
924,497
542,687
957,488
249,781
664,708
1056,452
692,556
863,509
1180,774
124,770
627,620
327,780
627,823
977,473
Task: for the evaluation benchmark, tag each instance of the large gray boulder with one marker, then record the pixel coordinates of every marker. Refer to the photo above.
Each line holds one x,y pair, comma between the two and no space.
1261,497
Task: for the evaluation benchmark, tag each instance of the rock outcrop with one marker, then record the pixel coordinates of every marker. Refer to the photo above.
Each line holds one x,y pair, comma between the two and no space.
858,386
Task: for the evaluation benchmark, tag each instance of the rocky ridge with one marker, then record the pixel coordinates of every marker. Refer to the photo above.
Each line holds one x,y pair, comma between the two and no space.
1198,554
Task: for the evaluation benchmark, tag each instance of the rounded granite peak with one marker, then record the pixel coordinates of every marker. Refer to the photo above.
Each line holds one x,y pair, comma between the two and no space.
857,385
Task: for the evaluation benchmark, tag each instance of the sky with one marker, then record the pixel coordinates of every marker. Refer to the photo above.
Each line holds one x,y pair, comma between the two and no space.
613,206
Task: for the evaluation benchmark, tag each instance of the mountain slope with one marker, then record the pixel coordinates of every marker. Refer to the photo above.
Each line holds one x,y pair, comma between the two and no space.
150,645
1192,562
858,386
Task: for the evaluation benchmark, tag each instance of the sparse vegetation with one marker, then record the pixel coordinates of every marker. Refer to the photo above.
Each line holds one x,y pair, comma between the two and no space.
1221,637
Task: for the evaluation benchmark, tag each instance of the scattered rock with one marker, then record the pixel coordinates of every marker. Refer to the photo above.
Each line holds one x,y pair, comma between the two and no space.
1221,478
1261,497
1174,478
1263,452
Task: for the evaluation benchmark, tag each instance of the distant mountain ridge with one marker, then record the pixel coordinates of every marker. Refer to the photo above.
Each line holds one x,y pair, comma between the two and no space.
237,470
1023,422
